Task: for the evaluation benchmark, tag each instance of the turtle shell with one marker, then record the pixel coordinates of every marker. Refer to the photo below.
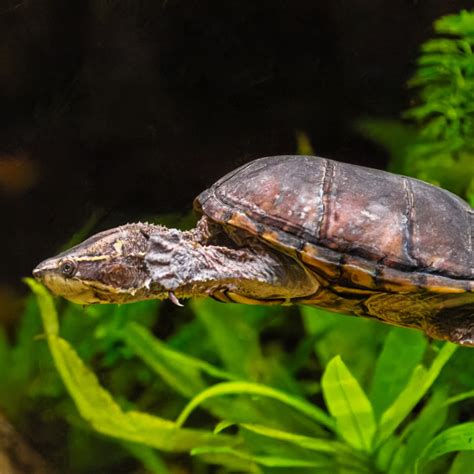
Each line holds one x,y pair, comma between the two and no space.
361,229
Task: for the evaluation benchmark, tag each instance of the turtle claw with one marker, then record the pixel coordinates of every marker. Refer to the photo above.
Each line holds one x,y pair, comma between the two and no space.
173,299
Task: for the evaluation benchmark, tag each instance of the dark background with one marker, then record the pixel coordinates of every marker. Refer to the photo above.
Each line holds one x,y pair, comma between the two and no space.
132,107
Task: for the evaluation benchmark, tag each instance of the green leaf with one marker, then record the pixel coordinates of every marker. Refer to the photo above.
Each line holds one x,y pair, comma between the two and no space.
395,365
97,406
307,442
349,405
239,388
441,45
223,425
148,457
227,459
424,427
456,438
462,463
420,382
180,371
402,406
461,23
231,328
46,306
398,461
387,452
266,460
460,397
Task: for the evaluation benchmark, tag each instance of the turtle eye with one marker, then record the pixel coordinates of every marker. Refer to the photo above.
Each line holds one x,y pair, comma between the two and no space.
68,268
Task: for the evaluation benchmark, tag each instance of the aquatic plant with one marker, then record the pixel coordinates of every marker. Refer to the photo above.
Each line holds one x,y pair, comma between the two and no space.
220,389
435,139
260,389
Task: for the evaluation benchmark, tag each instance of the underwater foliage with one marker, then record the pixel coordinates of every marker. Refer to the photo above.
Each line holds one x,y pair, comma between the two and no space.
435,141
210,387
223,389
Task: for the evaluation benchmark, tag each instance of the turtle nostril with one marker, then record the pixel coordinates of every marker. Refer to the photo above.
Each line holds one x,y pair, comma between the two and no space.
39,270
42,268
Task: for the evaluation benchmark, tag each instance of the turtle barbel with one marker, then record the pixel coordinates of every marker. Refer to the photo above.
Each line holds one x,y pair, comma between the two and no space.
296,229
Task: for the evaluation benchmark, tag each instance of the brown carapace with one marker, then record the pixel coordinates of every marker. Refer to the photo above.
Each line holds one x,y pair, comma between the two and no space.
300,229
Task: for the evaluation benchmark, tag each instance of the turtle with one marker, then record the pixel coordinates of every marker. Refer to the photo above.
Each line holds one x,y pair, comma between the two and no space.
296,230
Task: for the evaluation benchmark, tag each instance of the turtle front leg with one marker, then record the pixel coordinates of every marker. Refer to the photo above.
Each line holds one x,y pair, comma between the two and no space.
183,263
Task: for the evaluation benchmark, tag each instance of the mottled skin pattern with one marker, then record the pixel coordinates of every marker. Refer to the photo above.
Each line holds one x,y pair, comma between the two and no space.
284,230
141,261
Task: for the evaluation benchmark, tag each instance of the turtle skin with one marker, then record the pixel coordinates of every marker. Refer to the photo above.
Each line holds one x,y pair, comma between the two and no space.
381,245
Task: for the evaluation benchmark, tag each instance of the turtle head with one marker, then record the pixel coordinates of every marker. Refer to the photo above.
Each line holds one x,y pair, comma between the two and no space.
108,267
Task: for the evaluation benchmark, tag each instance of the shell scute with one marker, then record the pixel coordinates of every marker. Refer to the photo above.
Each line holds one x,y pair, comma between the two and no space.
370,228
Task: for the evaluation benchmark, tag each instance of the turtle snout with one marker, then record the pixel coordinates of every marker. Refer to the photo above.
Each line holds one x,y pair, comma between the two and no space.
38,271
43,268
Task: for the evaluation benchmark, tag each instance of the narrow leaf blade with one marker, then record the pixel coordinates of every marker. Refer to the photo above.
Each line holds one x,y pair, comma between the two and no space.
395,365
306,442
425,426
271,461
456,438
